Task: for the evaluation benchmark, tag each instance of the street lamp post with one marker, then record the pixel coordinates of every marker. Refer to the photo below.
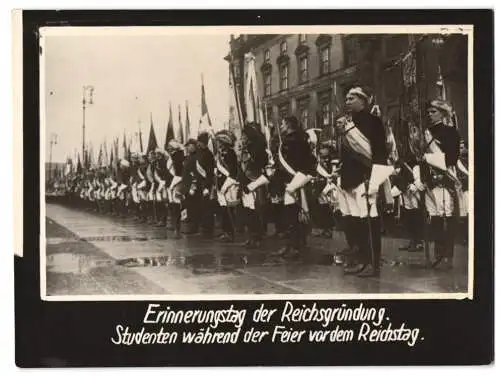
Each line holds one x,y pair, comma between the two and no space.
52,142
87,90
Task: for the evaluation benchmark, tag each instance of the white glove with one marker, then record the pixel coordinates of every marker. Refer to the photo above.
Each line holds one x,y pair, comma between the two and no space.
205,192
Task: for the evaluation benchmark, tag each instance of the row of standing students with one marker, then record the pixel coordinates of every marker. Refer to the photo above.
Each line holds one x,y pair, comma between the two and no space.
295,178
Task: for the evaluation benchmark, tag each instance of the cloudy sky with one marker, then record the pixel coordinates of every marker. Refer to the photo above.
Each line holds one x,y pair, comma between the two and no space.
133,76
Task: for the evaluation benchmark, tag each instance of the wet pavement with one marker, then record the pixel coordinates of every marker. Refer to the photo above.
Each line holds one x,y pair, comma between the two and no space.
94,254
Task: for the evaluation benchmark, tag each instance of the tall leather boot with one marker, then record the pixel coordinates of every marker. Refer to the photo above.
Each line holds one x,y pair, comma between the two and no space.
449,240
358,258
374,248
438,236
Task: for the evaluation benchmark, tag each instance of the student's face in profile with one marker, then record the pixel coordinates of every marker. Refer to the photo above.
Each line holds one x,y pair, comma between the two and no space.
434,115
354,103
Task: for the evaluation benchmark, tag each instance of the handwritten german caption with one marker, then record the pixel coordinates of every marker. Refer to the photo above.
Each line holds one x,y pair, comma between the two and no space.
293,323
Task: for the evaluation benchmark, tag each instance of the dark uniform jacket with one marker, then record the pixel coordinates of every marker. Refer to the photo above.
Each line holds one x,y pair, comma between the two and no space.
207,162
134,177
297,153
277,183
162,171
228,159
123,175
254,156
354,171
143,168
189,172
449,143
178,162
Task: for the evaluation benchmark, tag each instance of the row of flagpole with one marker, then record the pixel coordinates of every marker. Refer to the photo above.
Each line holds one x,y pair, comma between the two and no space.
249,109
108,154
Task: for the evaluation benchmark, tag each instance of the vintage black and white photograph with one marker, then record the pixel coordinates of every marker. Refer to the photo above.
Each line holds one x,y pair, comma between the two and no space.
256,162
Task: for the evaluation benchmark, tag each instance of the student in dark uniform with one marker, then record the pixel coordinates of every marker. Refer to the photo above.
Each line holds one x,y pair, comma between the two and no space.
123,180
205,167
355,173
191,188
175,168
298,163
276,192
323,214
408,182
143,187
227,189
441,199
253,181
151,206
162,179
133,192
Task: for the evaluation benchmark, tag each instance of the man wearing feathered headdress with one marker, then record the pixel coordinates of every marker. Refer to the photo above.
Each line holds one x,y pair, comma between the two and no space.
441,200
364,158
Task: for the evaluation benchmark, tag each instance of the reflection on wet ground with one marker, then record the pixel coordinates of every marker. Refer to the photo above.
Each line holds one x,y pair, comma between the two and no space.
74,263
131,260
198,263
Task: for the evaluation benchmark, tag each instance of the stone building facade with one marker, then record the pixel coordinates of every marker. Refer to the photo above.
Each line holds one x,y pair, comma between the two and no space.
308,75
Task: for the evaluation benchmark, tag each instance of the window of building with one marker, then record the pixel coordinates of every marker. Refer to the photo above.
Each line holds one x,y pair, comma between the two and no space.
267,55
303,69
283,47
269,114
325,114
324,65
352,50
304,117
267,84
284,77
302,38
283,111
